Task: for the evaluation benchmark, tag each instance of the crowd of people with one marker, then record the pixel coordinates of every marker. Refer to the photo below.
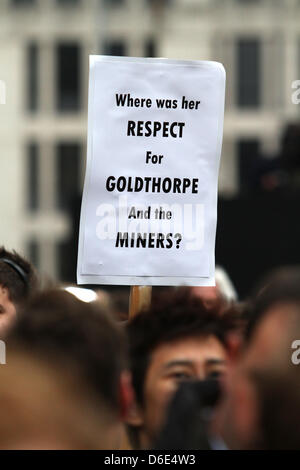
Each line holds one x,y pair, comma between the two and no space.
196,370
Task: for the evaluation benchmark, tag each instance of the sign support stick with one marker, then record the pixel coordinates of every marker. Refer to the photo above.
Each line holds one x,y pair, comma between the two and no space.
140,299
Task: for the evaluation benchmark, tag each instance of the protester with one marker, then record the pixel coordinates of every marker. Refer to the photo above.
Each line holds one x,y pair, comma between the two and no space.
73,355
45,406
280,287
261,408
18,280
221,296
60,329
177,339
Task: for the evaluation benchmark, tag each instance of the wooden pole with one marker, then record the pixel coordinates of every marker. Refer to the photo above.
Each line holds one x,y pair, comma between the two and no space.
140,299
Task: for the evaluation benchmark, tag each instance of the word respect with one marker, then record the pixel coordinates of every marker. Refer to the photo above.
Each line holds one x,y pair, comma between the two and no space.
155,129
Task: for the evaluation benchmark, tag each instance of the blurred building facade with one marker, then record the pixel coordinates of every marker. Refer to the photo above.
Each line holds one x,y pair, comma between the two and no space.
44,49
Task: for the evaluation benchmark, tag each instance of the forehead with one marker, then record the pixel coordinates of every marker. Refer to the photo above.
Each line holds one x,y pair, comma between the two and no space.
194,350
206,292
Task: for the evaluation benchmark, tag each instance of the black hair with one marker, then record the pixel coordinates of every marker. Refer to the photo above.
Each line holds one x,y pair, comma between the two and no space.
174,315
17,275
56,326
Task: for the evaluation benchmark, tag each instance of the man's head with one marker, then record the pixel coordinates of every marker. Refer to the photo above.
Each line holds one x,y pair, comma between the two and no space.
45,406
59,328
221,296
261,409
176,339
17,282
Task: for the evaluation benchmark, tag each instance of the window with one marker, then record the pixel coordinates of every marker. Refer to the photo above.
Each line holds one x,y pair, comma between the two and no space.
68,79
33,250
161,3
23,3
249,74
32,77
298,59
32,176
150,48
113,3
248,2
114,47
68,2
248,160
68,173
67,250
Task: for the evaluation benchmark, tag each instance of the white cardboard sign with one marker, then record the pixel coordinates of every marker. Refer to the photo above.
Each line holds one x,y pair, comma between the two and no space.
149,208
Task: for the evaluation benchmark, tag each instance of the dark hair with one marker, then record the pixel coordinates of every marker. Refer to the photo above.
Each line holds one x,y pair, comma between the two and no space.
56,326
281,286
173,316
17,275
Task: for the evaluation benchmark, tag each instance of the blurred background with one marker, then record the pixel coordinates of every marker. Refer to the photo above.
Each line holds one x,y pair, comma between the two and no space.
44,50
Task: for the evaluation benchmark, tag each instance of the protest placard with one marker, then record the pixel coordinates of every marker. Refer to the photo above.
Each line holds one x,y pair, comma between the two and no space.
149,208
